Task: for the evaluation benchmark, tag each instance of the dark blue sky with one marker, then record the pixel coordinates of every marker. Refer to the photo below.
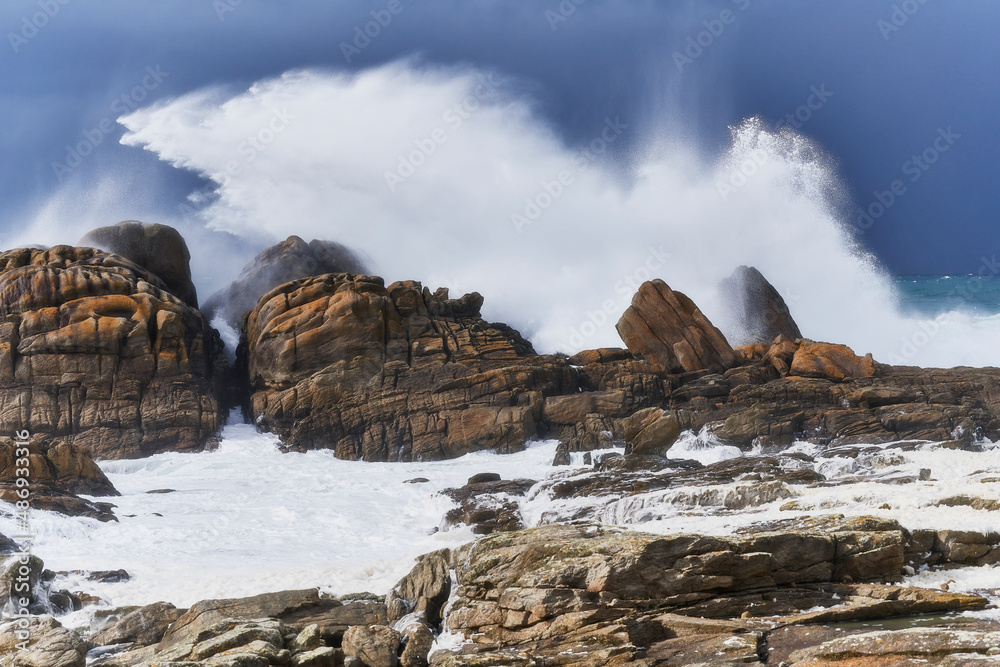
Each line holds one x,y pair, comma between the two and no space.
893,90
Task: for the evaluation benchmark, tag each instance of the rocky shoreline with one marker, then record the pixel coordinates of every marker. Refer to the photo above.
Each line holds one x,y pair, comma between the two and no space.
104,354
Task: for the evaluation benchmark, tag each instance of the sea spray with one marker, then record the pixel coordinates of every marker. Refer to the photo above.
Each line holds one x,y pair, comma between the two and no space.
450,224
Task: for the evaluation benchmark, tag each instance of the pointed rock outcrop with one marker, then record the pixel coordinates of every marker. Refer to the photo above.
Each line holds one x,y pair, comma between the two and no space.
668,330
758,309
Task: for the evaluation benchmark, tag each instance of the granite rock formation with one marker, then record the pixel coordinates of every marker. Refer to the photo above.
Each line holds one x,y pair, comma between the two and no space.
159,249
393,373
57,472
759,310
608,596
666,329
401,373
96,352
291,259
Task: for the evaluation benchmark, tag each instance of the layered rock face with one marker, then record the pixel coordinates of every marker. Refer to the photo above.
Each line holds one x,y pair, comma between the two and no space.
666,329
157,248
758,308
391,373
291,259
608,596
401,373
95,351
585,595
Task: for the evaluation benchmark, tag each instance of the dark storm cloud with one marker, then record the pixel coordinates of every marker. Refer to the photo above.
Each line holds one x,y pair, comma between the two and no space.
898,72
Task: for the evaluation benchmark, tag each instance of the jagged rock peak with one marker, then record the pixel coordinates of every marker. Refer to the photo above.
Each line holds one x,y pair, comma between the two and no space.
758,310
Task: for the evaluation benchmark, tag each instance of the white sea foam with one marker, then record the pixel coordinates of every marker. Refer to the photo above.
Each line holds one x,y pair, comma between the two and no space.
246,518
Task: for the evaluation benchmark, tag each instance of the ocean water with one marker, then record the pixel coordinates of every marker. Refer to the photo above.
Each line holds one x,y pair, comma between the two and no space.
936,295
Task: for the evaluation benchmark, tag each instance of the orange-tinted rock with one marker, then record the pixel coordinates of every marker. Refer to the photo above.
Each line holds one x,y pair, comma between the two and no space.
392,373
95,351
291,259
781,353
650,431
602,355
668,330
834,362
752,352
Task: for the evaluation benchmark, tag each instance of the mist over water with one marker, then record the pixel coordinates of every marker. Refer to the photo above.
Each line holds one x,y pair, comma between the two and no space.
451,176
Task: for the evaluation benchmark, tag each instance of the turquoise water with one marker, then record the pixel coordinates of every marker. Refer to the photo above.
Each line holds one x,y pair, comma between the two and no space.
935,295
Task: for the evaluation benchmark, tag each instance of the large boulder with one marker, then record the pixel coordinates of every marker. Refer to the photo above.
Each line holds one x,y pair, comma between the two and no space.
297,609
375,645
57,472
393,373
159,249
423,591
759,312
668,330
143,626
650,431
291,259
95,351
830,361
55,464
41,642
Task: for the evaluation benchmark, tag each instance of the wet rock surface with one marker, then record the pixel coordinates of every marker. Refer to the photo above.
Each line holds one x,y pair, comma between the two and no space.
758,308
46,643
57,472
488,503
